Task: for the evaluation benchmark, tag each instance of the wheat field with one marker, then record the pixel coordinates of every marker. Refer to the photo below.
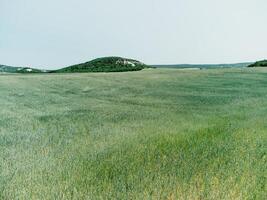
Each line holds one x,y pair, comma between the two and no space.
152,134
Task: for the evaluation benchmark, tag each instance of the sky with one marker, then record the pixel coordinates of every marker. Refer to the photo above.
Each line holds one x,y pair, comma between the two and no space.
55,33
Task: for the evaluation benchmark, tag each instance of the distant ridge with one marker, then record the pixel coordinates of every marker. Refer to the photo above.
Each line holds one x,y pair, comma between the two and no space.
204,66
120,64
9,69
105,64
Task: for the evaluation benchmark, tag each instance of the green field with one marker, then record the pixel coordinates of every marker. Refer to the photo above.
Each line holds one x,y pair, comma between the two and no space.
152,134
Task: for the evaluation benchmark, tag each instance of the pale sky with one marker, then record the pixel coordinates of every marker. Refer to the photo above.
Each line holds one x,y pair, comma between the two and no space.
56,33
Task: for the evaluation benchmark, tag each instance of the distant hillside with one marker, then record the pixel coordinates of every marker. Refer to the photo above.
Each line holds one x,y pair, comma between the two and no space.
262,63
204,66
119,64
29,70
106,64
9,69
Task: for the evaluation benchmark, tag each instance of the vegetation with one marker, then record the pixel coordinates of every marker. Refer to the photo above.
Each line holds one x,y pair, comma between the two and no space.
262,63
154,134
106,64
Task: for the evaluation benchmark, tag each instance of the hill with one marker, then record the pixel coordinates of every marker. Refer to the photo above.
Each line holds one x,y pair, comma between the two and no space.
203,66
262,63
29,70
105,64
9,69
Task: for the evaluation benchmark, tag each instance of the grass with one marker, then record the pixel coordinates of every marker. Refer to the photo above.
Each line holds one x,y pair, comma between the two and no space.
153,134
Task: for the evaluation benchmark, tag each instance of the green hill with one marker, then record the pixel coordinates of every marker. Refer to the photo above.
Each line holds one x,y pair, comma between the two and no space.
262,63
106,64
